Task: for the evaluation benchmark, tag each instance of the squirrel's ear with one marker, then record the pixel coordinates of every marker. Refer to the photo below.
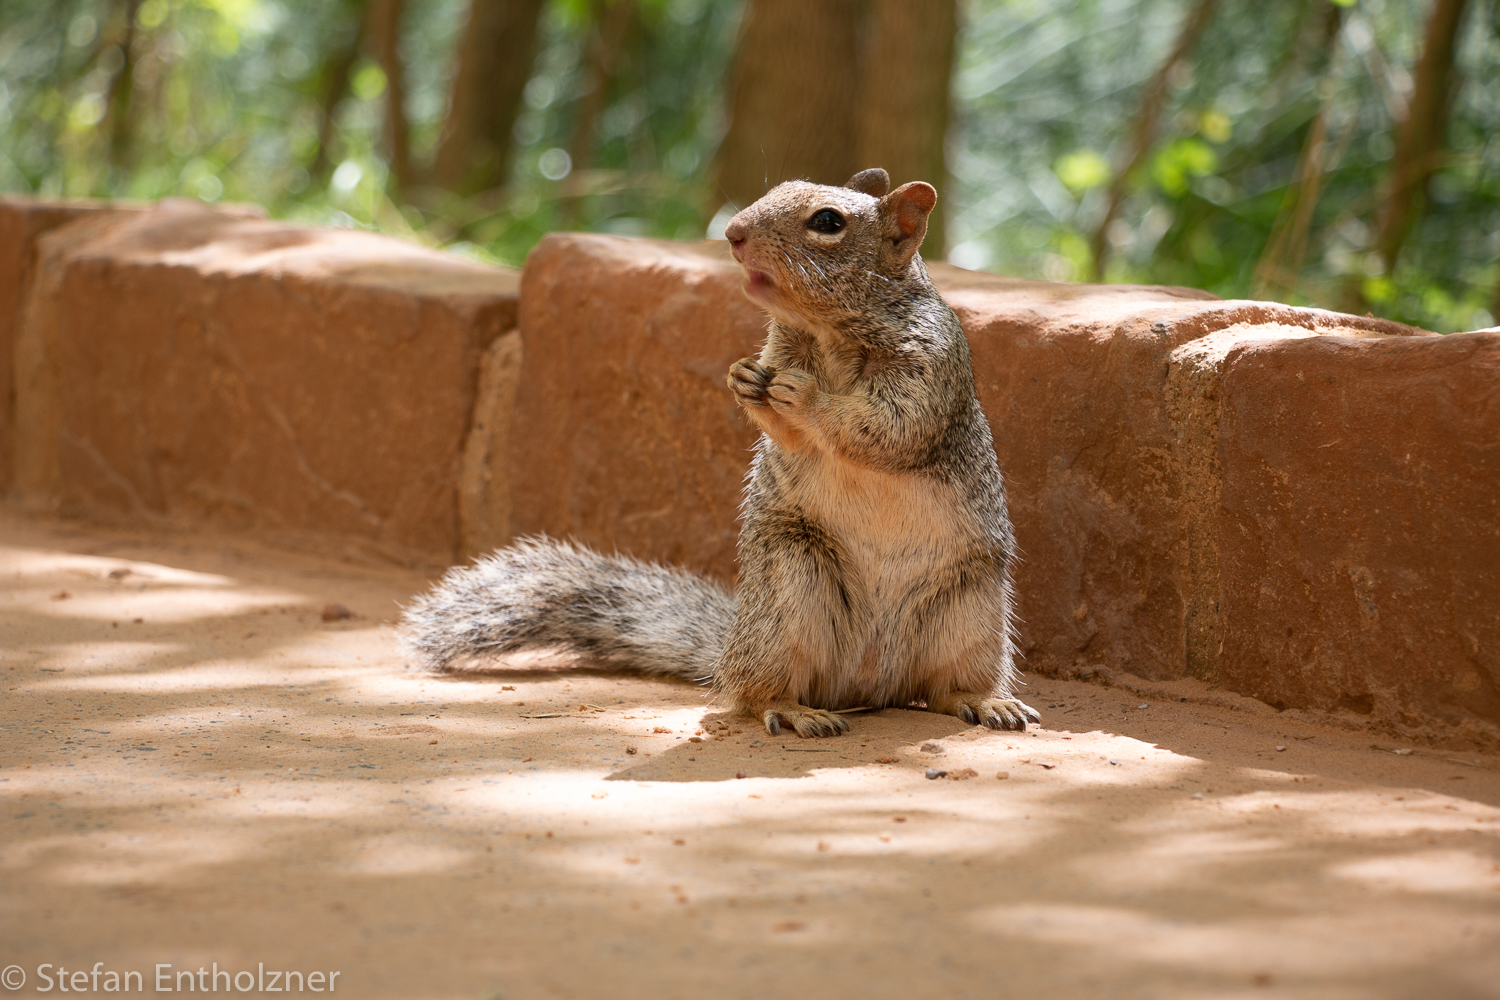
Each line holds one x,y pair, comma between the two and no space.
904,214
875,182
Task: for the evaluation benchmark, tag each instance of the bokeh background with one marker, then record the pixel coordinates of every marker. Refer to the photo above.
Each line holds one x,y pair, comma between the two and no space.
1341,153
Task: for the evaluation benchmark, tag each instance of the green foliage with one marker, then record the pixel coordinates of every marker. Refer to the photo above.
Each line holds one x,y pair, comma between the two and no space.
1048,94
653,139
225,102
227,106
1179,162
1081,170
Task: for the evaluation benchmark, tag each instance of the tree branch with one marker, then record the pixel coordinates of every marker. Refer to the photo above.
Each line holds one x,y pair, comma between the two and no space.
1152,103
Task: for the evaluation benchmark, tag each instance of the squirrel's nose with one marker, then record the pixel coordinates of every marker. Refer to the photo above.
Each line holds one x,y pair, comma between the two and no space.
736,231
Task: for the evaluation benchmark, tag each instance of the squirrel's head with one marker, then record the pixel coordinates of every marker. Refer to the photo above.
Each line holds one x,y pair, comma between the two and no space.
812,252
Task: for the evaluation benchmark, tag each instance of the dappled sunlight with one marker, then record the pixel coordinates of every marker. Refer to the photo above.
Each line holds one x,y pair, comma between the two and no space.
25,565
402,855
1308,945
116,859
1161,859
1364,812
267,786
247,801
90,659
1462,872
63,586
199,676
163,606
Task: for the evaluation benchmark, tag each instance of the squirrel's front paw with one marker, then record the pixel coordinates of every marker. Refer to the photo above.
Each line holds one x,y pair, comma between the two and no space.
791,390
749,380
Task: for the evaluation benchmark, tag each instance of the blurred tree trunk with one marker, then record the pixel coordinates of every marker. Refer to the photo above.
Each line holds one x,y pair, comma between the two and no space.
1280,262
611,20
791,97
333,84
495,57
906,73
385,44
121,93
1144,135
1420,137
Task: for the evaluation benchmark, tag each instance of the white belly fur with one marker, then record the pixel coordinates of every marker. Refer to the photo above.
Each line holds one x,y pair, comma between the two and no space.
897,531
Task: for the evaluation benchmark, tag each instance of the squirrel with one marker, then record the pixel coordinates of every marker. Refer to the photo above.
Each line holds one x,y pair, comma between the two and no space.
875,548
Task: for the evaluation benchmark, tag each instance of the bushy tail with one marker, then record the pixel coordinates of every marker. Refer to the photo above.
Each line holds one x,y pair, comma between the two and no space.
543,594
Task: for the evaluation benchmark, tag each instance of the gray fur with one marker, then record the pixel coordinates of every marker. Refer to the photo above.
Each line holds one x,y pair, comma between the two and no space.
540,594
876,549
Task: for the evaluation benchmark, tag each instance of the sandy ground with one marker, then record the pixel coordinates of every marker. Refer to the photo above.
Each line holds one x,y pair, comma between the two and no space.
198,772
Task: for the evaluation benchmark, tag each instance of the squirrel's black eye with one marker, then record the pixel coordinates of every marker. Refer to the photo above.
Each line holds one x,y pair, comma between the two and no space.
826,221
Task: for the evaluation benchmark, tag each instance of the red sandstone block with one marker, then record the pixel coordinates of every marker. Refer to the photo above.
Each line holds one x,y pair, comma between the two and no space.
1360,536
22,221
1095,417
625,437
315,385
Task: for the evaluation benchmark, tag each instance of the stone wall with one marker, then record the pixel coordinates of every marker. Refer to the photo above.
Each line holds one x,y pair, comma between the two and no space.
1294,504
1360,526
22,223
183,365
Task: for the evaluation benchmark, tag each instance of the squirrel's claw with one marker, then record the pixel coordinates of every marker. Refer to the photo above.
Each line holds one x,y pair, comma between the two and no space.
808,723
773,722
1010,714
817,723
791,390
981,710
749,380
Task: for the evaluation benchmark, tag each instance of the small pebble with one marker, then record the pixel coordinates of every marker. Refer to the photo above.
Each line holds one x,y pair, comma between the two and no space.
1143,705
1404,752
934,773
1279,749
630,750
1002,775
1115,762
739,774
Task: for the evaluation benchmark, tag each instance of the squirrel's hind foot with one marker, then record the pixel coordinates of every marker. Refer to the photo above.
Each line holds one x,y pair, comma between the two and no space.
983,710
807,722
